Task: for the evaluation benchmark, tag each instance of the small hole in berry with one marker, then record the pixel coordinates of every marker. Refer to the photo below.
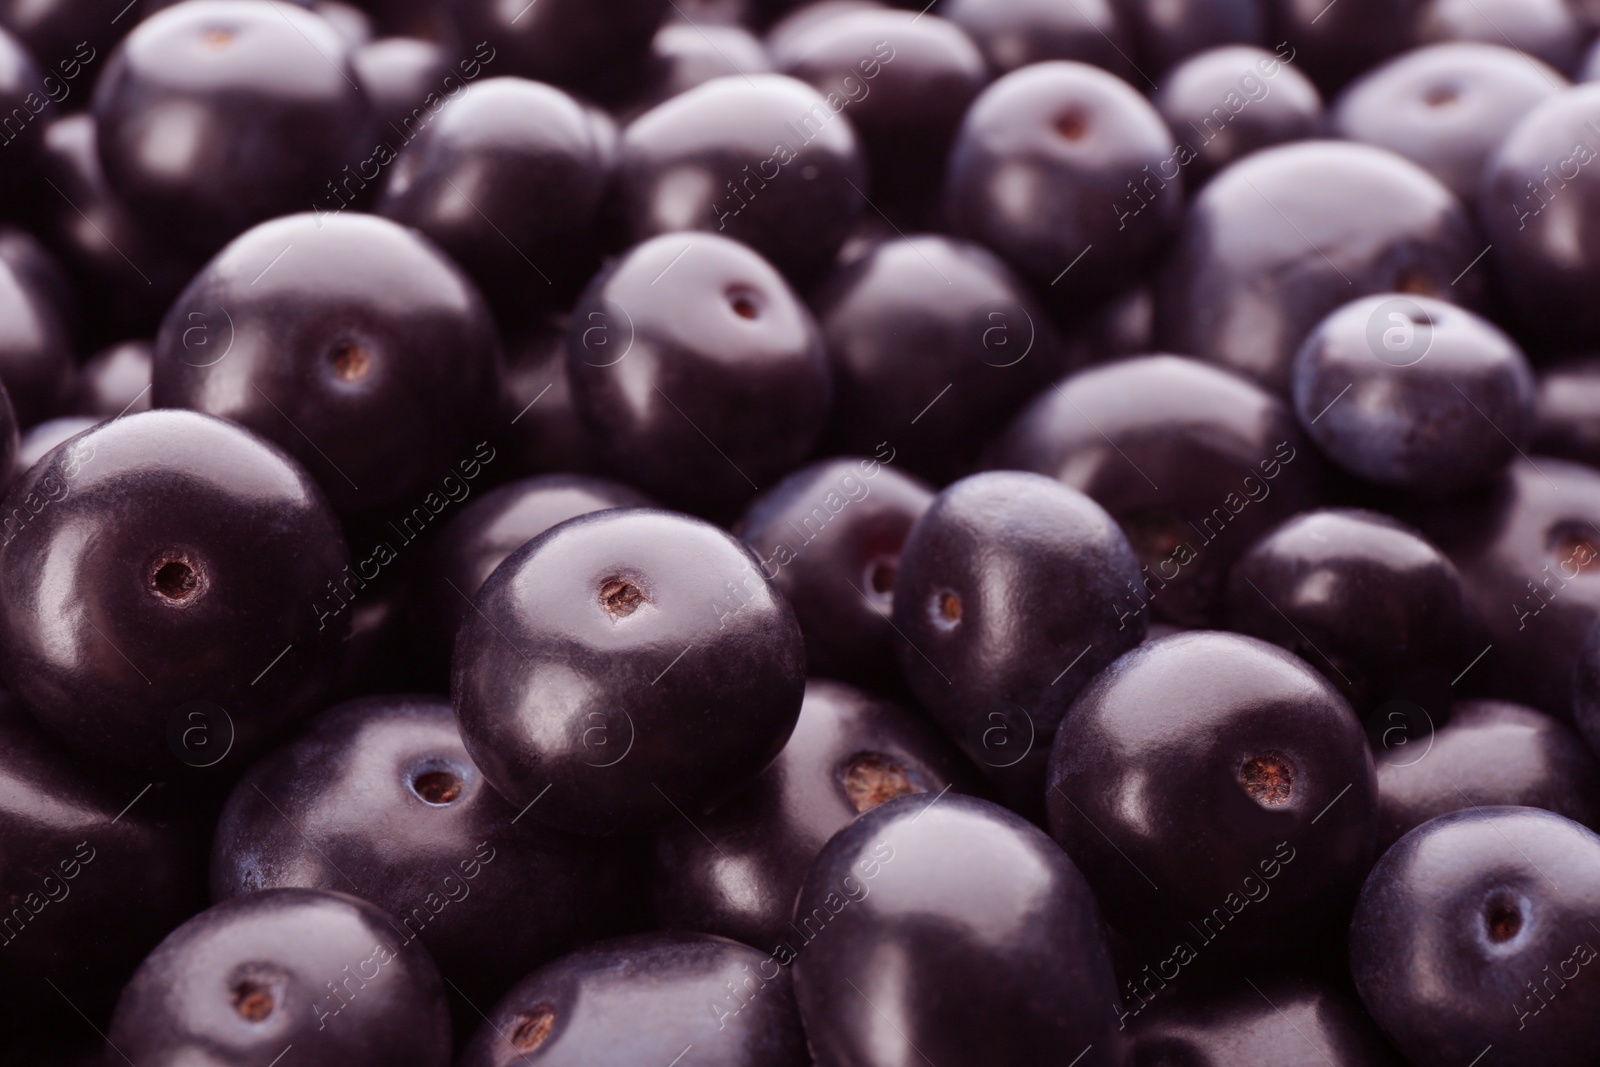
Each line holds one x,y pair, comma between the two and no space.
620,597
1072,124
947,606
217,37
1574,545
872,778
253,1000
532,1028
1502,919
351,361
1441,96
439,787
1154,533
1414,281
1268,779
175,580
880,576
746,303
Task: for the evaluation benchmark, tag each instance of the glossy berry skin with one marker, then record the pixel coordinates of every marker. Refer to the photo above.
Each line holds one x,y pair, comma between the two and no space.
1529,558
1058,158
1445,107
92,230
647,998
539,428
1236,752
379,798
1550,30
913,318
36,358
744,157
322,972
352,23
210,548
397,74
115,381
1167,32
1472,931
364,352
1439,399
571,43
699,373
1333,46
41,437
1195,463
736,871
1490,753
686,54
1586,692
1224,103
799,18
944,949
829,537
632,662
1363,599
86,893
21,94
1589,69
1247,279
379,656
1017,33
1284,1021
1545,256
10,442
37,265
229,80
535,166
65,37
908,114
1005,605
486,531
1567,409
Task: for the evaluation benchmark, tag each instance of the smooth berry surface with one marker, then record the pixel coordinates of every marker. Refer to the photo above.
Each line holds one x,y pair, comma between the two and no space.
634,664
210,551
247,978
1256,796
1488,906
1015,919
